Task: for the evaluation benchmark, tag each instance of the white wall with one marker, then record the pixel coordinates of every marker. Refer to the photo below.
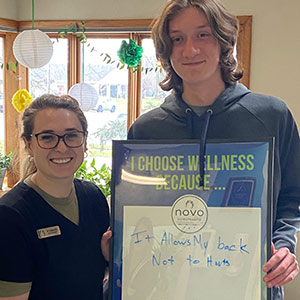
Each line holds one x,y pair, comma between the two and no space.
8,9
275,61
89,9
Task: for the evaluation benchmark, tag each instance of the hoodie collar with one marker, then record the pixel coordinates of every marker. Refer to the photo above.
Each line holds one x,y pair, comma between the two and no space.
175,105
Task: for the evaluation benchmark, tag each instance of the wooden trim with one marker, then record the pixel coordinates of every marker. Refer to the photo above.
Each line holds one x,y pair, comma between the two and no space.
244,47
139,80
53,35
7,23
126,23
132,99
107,35
137,112
47,24
145,35
89,24
12,82
74,61
133,105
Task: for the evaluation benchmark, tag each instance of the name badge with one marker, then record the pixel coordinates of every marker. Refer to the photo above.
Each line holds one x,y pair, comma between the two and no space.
44,233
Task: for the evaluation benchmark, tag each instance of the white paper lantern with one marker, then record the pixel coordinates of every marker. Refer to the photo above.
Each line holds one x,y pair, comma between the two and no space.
85,94
33,48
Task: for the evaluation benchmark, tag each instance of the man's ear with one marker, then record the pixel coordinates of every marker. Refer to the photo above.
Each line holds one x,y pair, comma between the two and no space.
28,146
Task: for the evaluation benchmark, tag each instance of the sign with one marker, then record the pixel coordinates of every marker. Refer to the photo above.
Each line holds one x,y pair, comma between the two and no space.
175,239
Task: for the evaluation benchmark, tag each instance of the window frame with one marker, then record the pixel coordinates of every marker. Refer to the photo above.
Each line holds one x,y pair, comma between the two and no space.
2,36
136,29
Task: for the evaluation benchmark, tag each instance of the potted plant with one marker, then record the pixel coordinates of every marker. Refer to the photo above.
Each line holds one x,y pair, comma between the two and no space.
5,161
100,177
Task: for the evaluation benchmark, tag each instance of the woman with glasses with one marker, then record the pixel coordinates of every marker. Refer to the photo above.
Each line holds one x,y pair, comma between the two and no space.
53,228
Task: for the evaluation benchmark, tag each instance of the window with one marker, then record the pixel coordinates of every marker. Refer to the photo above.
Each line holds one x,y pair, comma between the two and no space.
52,78
122,95
108,119
151,94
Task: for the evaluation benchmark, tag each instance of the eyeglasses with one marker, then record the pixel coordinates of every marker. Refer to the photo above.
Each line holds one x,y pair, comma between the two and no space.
72,139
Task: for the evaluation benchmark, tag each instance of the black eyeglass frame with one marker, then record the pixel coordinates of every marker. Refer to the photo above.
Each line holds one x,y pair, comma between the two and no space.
60,137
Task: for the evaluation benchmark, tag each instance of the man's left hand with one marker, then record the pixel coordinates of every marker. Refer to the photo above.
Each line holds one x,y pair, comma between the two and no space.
282,267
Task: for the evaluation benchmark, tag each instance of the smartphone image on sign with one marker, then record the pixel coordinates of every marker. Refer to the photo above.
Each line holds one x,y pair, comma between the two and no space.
239,192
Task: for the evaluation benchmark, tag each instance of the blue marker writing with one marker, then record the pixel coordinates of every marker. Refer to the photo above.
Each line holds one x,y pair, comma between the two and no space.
223,246
157,261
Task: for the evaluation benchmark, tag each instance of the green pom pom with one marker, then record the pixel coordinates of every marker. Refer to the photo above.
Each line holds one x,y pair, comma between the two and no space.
130,54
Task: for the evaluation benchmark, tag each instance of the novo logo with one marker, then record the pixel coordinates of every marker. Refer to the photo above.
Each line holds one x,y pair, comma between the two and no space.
189,213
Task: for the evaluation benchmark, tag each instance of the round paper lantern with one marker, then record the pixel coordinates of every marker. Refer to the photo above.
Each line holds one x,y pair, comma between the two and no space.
85,94
33,48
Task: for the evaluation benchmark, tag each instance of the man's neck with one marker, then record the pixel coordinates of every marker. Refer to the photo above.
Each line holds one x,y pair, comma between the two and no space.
202,95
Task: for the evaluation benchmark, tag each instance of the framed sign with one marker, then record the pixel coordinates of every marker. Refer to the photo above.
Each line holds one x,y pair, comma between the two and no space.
189,226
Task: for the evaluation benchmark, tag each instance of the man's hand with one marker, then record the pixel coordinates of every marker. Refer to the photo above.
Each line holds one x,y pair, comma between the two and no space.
282,267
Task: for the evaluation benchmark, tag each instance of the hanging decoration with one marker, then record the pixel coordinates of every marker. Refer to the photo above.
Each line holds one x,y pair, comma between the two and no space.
85,94
72,29
21,100
33,48
130,53
11,65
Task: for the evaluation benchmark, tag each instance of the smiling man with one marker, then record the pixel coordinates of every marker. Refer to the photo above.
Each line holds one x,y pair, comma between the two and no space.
195,40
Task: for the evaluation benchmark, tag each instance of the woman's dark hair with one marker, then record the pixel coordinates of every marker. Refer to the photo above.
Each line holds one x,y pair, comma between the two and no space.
224,28
50,101
40,103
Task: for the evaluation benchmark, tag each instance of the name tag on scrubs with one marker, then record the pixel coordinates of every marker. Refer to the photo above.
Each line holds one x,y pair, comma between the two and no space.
44,233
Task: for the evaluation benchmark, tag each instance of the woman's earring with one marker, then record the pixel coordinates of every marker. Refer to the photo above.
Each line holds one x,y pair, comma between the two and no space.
85,154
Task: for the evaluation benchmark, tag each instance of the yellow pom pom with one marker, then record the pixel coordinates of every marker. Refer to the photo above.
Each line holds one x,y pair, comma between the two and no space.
21,100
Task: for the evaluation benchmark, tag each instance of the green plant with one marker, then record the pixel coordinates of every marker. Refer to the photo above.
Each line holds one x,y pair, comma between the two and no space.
1,146
100,177
115,129
5,160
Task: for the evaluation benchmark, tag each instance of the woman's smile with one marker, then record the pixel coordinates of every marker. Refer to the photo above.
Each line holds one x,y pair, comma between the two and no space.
61,160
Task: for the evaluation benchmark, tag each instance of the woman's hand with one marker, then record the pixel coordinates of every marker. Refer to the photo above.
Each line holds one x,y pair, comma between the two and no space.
105,243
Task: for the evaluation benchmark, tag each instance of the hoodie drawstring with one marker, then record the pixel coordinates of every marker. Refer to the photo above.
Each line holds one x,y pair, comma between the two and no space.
206,117
189,121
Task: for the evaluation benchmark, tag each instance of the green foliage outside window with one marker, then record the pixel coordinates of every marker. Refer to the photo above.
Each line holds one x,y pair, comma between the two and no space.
112,130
